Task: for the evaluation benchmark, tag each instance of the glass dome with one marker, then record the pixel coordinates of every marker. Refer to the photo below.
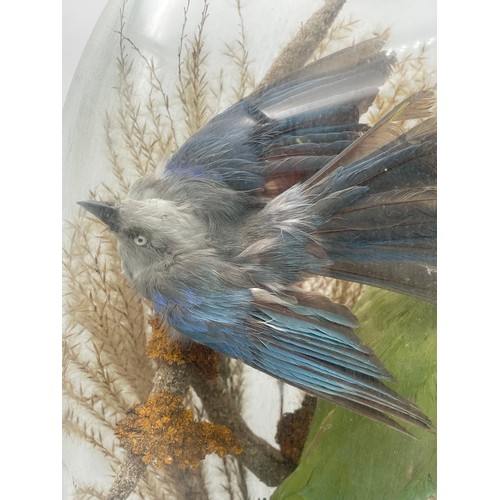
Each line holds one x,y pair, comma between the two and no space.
151,75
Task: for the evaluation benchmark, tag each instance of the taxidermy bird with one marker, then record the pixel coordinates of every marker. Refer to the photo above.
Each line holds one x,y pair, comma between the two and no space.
285,184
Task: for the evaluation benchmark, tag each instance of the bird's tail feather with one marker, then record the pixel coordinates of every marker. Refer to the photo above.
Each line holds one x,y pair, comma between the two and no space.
386,237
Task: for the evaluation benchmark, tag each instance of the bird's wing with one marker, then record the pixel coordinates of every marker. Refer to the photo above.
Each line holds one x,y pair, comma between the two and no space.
308,342
286,132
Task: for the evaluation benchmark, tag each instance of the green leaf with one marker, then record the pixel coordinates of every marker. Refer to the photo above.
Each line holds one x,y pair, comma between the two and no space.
352,457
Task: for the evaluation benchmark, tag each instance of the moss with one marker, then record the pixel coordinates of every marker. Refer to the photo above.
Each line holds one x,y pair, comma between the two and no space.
173,352
163,432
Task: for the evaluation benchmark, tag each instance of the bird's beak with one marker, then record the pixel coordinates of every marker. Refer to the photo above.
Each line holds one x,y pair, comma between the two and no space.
108,212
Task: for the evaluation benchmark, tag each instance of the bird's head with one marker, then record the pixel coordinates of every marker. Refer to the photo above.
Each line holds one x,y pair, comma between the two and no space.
151,233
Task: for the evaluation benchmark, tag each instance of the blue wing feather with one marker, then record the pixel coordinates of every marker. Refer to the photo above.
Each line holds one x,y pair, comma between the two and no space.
325,358
307,342
261,136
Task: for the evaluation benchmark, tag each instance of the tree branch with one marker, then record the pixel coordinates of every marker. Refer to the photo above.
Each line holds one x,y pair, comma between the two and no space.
265,461
174,379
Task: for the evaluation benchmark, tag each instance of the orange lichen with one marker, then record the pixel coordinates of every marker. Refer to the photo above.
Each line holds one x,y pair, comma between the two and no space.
293,429
163,432
160,346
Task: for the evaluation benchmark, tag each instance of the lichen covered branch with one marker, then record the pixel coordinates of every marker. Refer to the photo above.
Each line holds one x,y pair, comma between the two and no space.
163,432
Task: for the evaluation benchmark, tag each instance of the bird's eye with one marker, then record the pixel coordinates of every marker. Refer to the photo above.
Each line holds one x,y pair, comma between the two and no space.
140,240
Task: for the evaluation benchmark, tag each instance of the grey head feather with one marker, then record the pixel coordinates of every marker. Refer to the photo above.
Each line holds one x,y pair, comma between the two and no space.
151,232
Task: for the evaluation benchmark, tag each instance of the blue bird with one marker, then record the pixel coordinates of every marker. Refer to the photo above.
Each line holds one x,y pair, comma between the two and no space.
285,184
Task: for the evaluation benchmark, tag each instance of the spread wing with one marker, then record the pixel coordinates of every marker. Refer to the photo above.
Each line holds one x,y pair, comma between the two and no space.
284,133
303,339
311,345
